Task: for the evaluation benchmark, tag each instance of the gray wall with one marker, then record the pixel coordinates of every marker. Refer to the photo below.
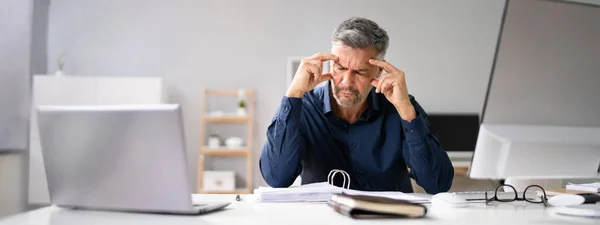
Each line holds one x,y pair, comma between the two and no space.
445,47
15,43
22,52
15,52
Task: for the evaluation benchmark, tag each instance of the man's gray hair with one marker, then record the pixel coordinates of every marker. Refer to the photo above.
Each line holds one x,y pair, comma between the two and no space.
361,33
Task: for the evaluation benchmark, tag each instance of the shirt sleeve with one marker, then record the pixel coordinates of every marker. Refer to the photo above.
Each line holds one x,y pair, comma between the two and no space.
429,163
282,153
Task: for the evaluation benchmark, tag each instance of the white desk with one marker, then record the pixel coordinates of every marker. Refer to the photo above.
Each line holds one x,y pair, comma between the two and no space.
249,212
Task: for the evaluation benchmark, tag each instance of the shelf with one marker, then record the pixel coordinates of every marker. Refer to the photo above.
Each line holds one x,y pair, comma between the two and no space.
221,92
237,191
224,151
227,119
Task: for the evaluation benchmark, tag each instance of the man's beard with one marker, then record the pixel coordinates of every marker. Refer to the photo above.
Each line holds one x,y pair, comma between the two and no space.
356,96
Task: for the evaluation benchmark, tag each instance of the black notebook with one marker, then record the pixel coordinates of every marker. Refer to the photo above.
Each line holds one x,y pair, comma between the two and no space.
364,206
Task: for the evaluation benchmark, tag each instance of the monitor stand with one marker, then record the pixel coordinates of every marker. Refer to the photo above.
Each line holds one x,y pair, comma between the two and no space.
536,152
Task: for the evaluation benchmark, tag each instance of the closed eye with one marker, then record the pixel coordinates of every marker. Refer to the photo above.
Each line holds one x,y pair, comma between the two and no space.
361,72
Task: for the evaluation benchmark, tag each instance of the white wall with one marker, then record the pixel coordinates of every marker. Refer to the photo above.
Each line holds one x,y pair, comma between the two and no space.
14,65
445,47
23,26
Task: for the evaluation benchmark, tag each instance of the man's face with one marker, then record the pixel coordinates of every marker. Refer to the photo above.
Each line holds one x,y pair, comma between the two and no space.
352,74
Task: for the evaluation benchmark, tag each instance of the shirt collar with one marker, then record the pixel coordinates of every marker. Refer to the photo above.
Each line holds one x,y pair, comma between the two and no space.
372,99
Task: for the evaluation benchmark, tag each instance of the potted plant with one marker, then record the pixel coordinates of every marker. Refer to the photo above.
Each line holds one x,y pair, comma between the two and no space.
241,111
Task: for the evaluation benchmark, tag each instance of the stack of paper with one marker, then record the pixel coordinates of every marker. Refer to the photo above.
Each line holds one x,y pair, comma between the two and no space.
321,192
317,192
591,187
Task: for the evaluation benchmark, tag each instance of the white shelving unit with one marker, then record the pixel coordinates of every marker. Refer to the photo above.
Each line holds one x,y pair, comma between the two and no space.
246,151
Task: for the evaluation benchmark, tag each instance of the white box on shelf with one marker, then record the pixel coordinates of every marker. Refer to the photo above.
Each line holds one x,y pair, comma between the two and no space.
218,180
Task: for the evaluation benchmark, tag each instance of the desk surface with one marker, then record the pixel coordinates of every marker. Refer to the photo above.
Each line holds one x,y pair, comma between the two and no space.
249,212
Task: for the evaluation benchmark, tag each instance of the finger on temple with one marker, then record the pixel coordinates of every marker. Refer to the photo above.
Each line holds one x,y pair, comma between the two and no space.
382,64
325,56
314,62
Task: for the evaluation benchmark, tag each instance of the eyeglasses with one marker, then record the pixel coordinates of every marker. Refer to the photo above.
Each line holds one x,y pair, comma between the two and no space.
531,194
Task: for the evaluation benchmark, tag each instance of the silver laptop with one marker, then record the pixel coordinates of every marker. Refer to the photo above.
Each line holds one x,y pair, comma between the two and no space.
118,158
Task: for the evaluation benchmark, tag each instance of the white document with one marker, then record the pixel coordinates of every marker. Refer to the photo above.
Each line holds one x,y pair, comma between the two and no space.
321,192
591,187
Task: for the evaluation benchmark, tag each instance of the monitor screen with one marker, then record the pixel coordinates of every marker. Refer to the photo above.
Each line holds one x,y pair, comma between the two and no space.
456,132
547,67
541,114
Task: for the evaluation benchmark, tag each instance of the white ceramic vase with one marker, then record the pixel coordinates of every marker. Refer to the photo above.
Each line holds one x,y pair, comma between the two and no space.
241,111
214,142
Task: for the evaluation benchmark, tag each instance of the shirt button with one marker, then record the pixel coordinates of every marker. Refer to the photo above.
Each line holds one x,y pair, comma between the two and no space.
354,144
345,125
412,130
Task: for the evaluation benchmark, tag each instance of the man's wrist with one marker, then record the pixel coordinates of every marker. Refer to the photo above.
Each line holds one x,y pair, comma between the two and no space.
294,94
407,111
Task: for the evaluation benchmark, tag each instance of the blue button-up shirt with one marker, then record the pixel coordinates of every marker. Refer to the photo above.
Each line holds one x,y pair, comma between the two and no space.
306,138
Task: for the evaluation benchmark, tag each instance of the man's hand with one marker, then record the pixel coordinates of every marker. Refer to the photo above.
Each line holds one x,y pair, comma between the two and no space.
309,74
393,85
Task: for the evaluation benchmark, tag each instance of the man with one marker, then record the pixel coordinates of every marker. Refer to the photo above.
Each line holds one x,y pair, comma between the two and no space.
362,121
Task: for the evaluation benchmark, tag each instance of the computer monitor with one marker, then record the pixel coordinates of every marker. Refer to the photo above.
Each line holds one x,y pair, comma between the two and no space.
541,116
456,132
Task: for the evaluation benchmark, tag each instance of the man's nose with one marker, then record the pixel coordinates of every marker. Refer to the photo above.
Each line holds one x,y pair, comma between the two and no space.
346,78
